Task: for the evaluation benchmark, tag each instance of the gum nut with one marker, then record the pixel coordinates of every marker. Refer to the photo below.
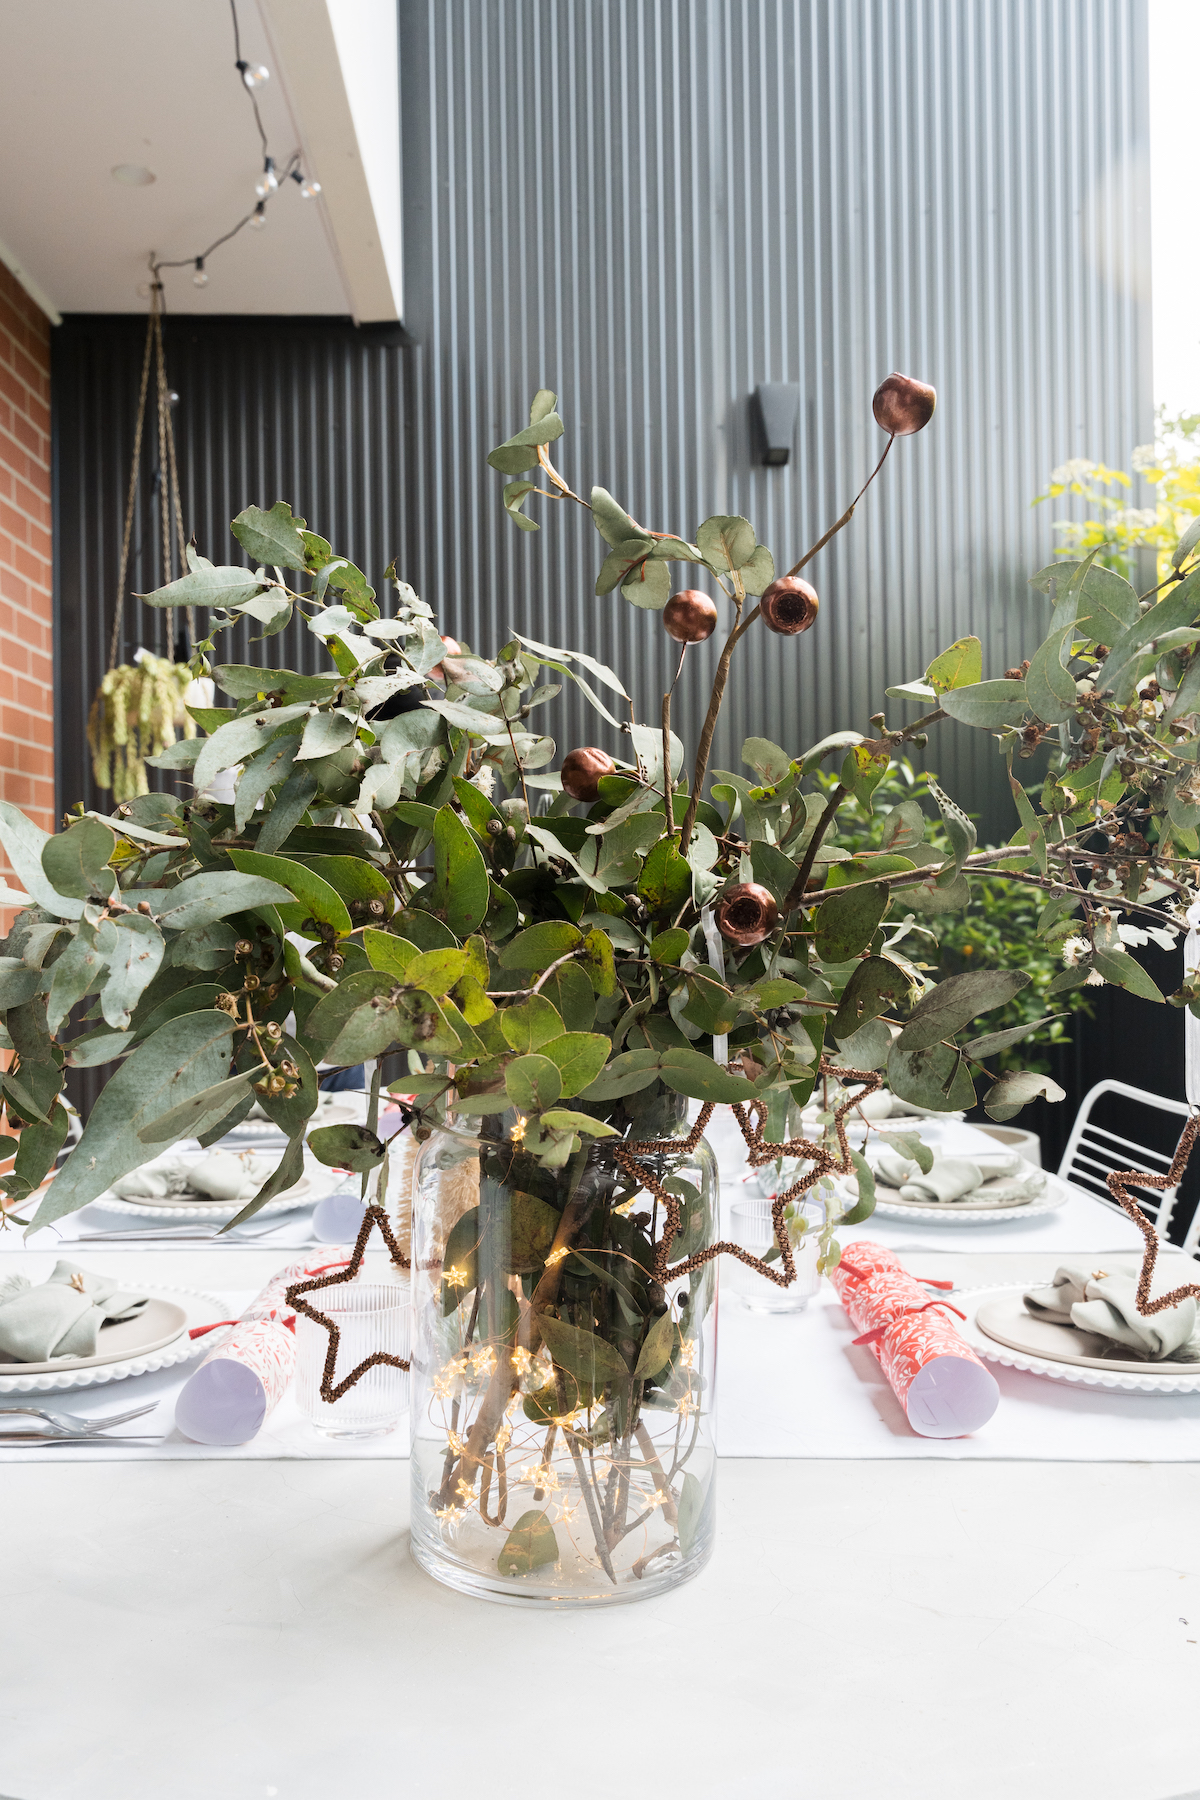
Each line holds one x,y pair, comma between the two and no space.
902,404
690,617
581,772
455,649
789,605
747,914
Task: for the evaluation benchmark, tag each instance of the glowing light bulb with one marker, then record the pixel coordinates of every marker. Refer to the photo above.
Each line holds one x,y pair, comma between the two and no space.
270,180
253,74
258,217
200,278
310,189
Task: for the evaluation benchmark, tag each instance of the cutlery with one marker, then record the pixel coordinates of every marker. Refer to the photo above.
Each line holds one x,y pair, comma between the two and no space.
64,1437
175,1234
66,1421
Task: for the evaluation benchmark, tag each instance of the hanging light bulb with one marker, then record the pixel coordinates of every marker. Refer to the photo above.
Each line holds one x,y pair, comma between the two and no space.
200,278
258,217
253,74
270,180
309,187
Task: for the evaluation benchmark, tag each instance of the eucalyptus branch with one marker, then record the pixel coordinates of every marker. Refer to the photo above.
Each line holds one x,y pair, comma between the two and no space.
796,892
706,735
846,516
914,877
524,993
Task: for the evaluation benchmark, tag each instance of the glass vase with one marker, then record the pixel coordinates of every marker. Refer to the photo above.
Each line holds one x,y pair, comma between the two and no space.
562,1397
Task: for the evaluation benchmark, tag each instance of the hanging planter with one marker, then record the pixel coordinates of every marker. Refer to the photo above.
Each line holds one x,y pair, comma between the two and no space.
138,712
140,708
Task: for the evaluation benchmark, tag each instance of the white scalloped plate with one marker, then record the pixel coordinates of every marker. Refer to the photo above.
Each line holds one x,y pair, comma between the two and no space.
1116,1380
1056,1194
200,1309
1047,1202
216,1212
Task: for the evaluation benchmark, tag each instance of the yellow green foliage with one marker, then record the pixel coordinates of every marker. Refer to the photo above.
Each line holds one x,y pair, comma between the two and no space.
1171,465
136,714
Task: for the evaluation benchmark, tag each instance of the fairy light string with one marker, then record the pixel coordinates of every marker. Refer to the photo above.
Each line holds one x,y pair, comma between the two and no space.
252,77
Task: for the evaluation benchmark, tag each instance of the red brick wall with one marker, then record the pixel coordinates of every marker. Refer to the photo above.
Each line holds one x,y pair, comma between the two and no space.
26,649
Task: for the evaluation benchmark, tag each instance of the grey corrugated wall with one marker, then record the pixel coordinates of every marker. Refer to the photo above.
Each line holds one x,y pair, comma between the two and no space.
653,207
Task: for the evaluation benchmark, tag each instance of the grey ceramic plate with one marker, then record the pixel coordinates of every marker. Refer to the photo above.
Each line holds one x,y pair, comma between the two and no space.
1006,1321
159,1322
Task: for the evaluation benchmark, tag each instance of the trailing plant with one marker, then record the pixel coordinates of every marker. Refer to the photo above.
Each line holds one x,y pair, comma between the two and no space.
135,716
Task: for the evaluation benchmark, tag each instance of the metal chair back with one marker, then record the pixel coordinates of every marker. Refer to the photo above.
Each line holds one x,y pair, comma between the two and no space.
1094,1150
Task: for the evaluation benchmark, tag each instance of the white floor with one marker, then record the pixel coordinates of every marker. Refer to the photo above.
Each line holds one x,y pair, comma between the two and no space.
933,1630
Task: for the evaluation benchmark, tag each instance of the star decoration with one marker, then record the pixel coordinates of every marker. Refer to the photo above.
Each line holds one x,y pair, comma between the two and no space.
751,1119
1118,1188
330,1393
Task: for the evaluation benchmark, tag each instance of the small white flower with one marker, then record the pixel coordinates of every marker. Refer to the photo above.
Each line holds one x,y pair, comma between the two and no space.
1074,950
1094,979
1075,470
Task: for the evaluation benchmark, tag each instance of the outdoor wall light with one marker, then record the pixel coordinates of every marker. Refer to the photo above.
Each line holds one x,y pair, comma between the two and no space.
778,405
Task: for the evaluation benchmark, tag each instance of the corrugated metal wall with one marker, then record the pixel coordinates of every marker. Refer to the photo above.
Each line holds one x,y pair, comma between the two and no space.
653,207
304,409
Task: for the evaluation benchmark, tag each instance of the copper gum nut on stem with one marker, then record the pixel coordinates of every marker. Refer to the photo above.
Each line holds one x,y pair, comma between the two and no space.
747,915
689,617
902,404
789,605
582,770
455,649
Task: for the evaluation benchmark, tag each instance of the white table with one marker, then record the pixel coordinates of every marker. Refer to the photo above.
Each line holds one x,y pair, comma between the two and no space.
864,1629
916,1621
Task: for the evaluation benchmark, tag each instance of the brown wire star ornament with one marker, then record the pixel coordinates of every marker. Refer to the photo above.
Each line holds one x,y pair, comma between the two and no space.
1118,1188
330,1393
751,1119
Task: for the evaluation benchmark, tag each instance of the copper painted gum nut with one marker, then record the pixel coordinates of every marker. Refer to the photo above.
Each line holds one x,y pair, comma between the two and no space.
581,772
454,648
747,915
789,605
690,617
902,404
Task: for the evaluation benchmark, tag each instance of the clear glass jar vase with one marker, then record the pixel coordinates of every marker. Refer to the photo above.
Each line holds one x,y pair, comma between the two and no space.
562,1397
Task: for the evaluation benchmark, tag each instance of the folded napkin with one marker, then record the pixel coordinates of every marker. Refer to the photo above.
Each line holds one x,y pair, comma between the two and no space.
1093,1300
995,1180
220,1175
63,1317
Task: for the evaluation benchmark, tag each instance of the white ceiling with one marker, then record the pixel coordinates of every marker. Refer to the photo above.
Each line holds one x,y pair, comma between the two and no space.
88,84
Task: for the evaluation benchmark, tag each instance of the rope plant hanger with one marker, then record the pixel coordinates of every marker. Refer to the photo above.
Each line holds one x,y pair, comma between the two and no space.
140,706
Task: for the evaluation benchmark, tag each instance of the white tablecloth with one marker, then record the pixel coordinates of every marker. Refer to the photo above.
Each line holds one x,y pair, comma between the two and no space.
789,1385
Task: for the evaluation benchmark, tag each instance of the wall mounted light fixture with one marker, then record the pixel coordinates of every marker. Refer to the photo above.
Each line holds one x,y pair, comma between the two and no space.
778,405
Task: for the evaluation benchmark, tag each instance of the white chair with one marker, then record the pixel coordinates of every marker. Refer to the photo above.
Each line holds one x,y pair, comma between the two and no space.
1093,1152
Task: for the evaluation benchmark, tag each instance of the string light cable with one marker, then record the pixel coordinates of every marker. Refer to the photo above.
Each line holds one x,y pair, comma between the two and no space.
253,76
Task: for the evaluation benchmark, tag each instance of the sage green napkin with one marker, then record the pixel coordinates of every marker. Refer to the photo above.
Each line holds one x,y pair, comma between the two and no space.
62,1317
1000,1180
1093,1300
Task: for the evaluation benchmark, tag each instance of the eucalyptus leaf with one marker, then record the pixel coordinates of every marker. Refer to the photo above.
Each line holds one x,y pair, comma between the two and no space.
957,1000
183,1057
273,537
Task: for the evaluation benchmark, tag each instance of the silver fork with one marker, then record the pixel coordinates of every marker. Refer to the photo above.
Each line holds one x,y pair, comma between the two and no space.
66,1421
